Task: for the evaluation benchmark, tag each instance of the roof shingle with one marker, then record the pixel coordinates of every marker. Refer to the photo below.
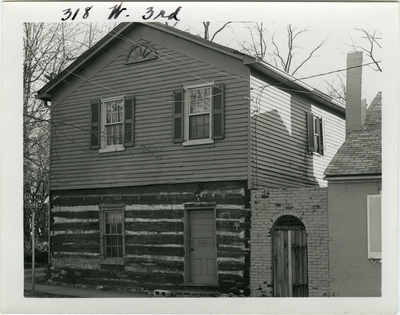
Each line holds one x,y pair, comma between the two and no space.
361,153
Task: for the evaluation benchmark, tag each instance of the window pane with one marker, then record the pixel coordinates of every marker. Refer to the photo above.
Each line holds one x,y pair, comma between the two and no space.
206,126
113,239
199,127
200,100
119,228
316,143
109,135
114,118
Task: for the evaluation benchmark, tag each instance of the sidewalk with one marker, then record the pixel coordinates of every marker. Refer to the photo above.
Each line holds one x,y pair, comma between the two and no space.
72,291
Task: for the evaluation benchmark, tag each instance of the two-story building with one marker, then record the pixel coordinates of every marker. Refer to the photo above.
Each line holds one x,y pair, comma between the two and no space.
159,140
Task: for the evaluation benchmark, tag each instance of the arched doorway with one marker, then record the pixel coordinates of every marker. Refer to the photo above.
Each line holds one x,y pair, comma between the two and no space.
289,257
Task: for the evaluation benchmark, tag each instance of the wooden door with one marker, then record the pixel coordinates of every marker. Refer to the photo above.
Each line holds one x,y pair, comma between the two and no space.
290,262
202,247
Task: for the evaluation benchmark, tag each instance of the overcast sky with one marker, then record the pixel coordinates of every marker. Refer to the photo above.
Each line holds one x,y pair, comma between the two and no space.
336,22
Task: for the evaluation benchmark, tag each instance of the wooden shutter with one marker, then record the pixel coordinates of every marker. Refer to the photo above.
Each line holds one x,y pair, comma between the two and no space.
129,128
322,136
95,124
374,227
218,111
310,132
178,116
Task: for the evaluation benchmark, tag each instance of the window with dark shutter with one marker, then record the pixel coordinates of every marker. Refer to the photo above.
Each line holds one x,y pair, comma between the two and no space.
178,116
95,120
112,123
199,114
315,134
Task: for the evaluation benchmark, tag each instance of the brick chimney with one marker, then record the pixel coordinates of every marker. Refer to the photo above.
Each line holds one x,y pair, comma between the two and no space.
355,107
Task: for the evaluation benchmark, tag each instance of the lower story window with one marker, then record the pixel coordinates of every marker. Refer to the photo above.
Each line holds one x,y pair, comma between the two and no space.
113,241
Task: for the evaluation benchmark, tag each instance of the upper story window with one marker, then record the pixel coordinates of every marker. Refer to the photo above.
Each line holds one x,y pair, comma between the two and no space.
316,134
199,111
112,123
199,114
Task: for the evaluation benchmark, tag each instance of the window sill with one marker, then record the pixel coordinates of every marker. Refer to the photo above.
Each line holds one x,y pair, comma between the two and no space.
113,261
315,153
197,142
114,148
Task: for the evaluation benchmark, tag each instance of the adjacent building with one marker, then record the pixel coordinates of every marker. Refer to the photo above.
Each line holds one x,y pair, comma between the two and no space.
354,196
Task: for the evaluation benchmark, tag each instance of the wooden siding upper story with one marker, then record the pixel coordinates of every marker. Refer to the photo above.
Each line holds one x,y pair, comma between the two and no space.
279,155
154,158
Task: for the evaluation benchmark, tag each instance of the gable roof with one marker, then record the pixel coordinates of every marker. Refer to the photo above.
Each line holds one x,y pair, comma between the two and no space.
45,93
361,153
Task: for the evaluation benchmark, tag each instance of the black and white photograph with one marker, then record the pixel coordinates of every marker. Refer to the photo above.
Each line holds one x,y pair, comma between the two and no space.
215,157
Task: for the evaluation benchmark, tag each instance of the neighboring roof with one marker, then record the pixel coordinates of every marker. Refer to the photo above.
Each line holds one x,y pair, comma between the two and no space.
45,93
361,153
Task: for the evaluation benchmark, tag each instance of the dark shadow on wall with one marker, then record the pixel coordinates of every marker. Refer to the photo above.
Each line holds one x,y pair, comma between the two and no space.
279,157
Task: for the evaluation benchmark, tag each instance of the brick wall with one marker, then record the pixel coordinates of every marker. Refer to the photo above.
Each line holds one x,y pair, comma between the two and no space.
310,206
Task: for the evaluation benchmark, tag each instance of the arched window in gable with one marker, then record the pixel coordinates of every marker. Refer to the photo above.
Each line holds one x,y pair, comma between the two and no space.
142,51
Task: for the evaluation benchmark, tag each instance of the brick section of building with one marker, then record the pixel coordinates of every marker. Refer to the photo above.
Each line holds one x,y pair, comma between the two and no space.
310,206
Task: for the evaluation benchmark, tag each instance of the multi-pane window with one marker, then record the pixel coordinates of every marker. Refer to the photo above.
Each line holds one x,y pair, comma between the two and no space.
114,113
112,123
112,233
199,113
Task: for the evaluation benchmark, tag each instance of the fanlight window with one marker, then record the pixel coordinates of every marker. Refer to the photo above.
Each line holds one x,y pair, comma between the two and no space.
142,51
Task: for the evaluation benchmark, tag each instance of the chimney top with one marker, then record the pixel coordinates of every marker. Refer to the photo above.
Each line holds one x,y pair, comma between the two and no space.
355,108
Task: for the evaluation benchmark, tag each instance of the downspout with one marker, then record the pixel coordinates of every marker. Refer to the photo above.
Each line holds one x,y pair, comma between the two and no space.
49,187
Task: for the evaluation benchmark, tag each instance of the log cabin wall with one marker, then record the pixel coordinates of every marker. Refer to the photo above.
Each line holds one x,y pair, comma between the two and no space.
154,235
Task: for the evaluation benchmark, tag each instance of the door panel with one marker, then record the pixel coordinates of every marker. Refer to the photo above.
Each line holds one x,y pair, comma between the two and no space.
290,263
202,249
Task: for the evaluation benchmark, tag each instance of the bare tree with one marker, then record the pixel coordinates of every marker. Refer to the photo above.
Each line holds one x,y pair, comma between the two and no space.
257,46
207,34
288,61
48,49
370,48
336,88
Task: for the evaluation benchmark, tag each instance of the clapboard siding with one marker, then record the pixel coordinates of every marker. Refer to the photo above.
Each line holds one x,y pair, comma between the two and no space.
154,159
279,156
